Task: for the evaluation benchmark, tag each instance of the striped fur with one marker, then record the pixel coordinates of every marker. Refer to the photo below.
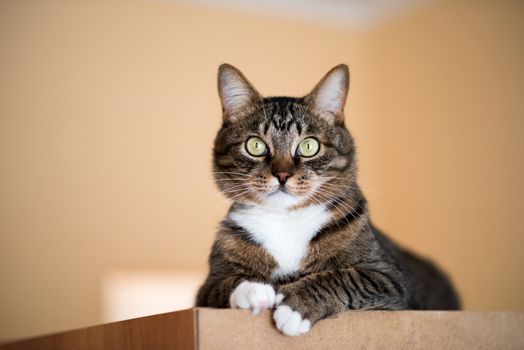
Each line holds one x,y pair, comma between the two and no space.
338,262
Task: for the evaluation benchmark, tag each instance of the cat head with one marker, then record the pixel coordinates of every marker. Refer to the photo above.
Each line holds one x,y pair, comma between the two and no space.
283,151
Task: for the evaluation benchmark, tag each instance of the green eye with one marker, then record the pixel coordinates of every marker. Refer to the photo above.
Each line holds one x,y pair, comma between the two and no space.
308,147
256,147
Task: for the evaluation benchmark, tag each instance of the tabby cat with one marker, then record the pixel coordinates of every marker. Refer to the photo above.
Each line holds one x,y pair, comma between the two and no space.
298,237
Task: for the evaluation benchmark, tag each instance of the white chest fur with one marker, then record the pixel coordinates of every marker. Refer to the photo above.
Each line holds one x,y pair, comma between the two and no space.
285,234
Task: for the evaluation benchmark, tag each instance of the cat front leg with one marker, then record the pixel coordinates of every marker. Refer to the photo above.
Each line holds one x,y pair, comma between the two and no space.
324,294
237,292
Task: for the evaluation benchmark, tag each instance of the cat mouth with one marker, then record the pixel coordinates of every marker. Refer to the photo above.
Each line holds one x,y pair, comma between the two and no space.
280,189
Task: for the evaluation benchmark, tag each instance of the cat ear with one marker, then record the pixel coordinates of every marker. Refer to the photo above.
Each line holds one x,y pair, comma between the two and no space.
328,97
236,92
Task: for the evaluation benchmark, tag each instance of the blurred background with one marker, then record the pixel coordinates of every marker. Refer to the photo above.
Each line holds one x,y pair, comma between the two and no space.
108,111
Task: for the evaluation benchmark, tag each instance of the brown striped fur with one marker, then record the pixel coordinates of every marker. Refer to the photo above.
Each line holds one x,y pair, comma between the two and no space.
349,263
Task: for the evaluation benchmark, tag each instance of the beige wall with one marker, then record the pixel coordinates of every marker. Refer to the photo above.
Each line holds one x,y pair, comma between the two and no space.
448,86
108,112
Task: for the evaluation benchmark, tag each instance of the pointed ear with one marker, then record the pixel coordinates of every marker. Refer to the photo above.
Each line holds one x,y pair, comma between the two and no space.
236,92
329,96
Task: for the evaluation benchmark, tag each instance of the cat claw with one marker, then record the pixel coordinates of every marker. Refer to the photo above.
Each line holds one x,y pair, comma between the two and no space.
254,296
290,322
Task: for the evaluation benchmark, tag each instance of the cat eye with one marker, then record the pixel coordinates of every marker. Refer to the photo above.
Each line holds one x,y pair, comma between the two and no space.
308,147
256,147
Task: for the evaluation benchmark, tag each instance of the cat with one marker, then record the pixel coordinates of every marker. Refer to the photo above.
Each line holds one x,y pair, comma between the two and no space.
298,237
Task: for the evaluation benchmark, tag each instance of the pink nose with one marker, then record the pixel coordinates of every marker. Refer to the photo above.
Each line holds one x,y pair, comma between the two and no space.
282,177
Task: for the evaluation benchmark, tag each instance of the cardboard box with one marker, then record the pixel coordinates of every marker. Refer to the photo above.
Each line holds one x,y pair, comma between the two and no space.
207,329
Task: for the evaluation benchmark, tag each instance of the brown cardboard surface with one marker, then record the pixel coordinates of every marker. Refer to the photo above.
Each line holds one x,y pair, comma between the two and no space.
174,330
206,329
234,329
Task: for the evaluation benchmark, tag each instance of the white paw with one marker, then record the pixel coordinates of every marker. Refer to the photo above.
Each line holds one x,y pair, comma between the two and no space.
254,296
290,322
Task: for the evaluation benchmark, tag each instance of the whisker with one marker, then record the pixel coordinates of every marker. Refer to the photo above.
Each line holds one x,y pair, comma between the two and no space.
350,210
367,189
235,188
226,180
343,216
344,205
229,173
200,181
229,199
232,189
336,186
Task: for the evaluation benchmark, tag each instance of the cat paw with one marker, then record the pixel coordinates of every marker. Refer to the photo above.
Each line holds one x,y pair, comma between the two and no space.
290,322
254,296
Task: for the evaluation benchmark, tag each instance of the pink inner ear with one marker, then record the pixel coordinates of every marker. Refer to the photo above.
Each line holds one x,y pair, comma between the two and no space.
331,95
235,90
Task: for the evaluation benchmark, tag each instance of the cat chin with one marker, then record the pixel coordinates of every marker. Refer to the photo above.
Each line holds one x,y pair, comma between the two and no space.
281,199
